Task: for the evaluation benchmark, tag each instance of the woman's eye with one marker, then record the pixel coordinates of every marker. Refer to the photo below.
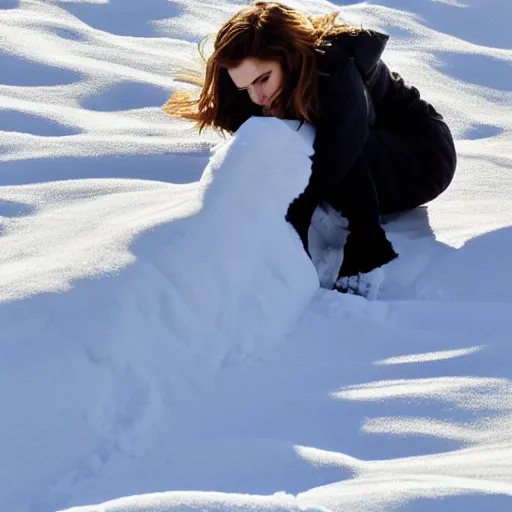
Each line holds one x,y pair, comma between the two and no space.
265,78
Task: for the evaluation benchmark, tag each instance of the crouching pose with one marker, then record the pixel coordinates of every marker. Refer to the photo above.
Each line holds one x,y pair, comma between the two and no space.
379,148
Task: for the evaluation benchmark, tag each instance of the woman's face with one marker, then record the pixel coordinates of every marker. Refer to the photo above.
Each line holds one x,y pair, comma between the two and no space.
263,79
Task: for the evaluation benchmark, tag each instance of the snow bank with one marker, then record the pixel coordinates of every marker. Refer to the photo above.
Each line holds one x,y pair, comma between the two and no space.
88,370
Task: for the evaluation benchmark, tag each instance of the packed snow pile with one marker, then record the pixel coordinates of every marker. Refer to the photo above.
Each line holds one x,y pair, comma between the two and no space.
214,271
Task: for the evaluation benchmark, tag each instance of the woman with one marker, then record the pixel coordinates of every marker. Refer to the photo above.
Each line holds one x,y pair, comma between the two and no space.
379,148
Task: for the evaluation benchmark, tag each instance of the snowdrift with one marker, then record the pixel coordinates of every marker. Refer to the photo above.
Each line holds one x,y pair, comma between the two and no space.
210,274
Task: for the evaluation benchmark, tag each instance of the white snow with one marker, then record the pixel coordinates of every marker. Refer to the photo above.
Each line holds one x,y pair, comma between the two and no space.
164,343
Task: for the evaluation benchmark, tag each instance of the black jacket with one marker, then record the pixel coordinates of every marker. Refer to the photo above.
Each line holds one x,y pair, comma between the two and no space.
356,91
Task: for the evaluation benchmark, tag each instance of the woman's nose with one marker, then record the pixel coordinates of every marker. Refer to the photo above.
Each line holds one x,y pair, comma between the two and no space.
262,99
259,96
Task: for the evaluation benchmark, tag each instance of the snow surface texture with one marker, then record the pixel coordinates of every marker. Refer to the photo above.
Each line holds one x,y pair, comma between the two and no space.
164,344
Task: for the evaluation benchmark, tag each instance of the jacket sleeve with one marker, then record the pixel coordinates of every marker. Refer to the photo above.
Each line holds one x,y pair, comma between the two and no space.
341,131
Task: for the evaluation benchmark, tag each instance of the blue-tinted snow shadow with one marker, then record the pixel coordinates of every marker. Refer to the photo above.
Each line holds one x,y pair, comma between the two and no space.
477,69
69,34
477,272
23,72
43,316
475,502
124,18
171,168
415,223
243,438
482,131
483,23
131,18
9,4
13,209
14,121
126,96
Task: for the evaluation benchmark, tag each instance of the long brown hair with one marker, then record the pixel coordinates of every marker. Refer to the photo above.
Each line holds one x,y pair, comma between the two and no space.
266,31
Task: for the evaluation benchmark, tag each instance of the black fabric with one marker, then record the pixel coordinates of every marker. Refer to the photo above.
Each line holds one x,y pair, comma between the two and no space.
409,169
366,246
341,132
363,253
379,147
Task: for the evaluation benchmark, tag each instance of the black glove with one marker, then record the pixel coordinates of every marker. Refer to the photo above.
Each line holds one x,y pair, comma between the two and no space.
300,218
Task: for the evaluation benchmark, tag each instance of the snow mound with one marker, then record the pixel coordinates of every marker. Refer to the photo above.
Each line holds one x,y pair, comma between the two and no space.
198,288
